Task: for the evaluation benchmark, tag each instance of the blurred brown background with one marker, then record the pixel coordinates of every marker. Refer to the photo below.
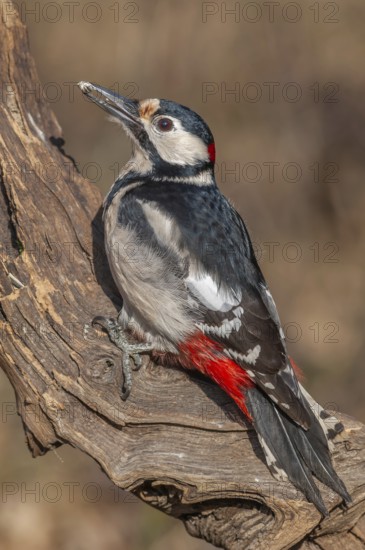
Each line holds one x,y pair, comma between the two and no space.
282,88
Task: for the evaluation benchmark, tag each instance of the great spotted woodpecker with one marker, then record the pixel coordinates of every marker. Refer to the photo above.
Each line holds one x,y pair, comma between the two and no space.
192,290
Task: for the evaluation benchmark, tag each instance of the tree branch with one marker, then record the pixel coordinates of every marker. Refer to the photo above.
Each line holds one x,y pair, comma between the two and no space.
201,462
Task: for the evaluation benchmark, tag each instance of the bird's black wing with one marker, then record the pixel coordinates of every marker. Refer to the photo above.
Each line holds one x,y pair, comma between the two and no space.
240,314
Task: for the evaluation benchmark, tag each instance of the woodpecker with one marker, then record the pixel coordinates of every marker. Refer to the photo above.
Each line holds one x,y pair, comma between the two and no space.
193,292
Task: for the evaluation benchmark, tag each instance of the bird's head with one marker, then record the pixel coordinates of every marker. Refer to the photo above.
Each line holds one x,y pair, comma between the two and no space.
172,139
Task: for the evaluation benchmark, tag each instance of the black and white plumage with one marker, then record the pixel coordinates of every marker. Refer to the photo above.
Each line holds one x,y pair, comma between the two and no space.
183,262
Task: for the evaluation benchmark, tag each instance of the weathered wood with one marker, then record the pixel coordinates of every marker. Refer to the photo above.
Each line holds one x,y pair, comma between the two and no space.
178,442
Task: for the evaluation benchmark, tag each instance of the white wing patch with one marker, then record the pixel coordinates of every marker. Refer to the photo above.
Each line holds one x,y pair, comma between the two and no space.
212,297
223,330
250,357
226,327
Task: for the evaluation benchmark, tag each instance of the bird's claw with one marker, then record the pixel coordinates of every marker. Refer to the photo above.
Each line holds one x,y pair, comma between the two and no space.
120,339
104,322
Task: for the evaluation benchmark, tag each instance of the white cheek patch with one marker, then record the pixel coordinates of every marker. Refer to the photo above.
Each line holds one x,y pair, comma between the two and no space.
177,146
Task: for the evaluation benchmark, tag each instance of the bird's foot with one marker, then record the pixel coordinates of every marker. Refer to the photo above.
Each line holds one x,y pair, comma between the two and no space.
120,339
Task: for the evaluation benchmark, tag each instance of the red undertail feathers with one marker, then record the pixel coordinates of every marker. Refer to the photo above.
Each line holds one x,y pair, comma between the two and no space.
208,357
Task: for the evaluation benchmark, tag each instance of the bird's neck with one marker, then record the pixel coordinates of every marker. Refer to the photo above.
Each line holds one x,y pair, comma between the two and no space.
140,169
141,166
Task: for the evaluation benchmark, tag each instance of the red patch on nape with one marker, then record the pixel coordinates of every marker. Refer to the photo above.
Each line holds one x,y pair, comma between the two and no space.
298,371
211,152
207,356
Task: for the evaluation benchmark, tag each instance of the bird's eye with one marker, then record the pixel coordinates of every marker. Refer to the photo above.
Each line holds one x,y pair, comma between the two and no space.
165,124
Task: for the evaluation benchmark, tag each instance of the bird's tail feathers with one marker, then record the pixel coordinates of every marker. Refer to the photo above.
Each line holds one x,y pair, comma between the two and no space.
331,426
294,453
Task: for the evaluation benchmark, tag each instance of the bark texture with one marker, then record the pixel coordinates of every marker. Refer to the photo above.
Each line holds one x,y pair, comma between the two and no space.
201,462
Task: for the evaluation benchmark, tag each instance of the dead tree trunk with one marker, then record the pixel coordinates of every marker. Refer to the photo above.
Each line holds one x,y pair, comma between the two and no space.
199,463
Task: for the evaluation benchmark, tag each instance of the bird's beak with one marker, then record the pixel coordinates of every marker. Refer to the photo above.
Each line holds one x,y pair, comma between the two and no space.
118,106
